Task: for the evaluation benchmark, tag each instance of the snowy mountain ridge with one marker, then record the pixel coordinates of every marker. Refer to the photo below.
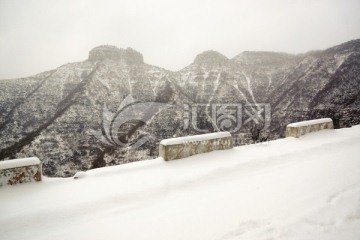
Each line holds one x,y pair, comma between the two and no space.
54,114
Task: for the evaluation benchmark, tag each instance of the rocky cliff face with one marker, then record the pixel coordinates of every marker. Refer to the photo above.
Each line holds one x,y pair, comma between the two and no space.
71,117
129,55
211,59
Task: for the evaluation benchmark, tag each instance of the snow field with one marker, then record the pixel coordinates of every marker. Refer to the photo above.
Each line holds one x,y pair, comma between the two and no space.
306,188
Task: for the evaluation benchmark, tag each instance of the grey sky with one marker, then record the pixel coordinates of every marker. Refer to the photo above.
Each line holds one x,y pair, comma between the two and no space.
39,35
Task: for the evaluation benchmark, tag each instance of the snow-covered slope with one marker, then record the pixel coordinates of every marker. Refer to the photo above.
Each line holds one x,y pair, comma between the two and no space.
306,188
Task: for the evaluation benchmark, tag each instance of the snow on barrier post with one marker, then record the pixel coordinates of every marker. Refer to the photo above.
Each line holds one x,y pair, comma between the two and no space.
176,148
20,171
300,128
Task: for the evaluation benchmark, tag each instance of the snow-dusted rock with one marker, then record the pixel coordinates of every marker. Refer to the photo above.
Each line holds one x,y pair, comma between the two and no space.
129,55
20,171
211,59
300,128
176,148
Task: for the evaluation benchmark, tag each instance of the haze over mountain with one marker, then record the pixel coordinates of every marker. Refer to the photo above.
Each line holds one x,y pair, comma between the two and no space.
65,116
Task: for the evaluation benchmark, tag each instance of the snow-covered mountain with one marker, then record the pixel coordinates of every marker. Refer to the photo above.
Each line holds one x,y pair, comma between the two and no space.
54,115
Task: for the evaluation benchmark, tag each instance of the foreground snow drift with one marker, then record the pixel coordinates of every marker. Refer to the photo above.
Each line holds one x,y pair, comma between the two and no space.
306,188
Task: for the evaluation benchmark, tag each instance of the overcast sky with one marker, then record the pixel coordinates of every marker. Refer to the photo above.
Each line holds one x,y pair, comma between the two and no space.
39,35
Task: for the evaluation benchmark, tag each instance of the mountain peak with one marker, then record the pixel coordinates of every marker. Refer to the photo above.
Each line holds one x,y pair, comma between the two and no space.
129,55
261,57
210,58
350,46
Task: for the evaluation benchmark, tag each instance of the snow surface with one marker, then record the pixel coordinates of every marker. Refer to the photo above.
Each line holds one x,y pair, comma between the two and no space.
292,188
202,137
309,122
21,162
80,174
